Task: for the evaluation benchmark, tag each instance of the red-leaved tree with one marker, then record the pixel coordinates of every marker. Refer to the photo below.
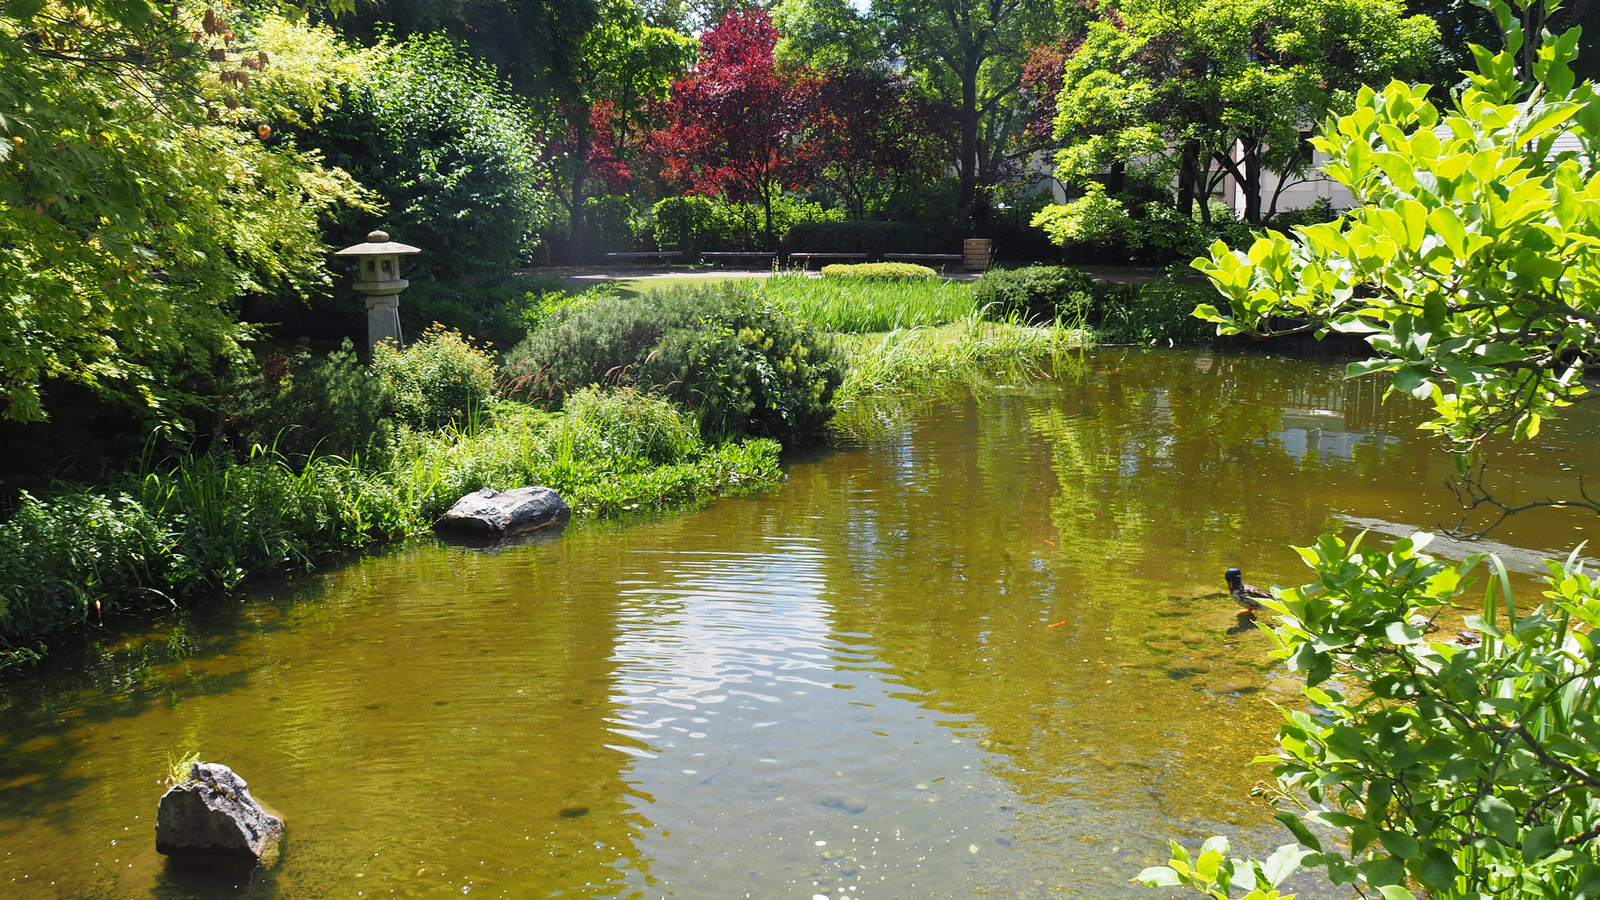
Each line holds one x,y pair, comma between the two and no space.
736,121
874,136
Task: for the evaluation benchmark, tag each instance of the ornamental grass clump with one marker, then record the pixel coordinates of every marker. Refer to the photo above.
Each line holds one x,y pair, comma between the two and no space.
736,361
859,305
622,425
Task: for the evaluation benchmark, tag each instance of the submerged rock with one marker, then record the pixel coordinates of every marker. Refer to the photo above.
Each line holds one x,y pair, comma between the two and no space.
211,819
490,514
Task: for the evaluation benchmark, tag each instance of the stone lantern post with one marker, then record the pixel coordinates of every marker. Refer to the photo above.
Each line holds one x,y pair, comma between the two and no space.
378,279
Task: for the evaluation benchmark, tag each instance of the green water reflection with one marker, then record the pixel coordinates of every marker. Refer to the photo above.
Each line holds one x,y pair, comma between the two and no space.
984,652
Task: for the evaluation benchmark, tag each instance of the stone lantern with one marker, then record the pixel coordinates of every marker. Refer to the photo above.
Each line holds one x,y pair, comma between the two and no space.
378,279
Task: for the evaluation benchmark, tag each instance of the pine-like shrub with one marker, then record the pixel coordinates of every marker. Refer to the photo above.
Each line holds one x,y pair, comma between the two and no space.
880,271
734,359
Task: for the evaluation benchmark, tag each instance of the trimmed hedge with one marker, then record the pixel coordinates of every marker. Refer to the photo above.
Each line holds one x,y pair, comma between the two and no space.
872,238
880,271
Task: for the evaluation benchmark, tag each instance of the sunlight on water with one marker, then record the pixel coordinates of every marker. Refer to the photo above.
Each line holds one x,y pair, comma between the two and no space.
983,652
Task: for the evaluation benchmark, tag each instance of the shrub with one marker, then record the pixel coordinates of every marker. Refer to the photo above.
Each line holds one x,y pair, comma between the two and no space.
298,404
880,271
494,308
686,224
1036,293
622,426
1156,311
1317,213
609,225
441,379
723,351
435,134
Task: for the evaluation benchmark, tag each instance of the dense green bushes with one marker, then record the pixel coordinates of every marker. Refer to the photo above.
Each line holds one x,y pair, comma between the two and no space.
1035,294
1159,310
725,352
449,149
880,271
494,309
300,404
695,224
442,379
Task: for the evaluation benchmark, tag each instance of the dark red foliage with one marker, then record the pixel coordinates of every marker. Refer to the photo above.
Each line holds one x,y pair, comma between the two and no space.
1047,64
873,134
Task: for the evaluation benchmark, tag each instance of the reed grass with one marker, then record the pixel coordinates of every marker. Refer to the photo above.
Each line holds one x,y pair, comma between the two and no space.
170,535
917,358
860,305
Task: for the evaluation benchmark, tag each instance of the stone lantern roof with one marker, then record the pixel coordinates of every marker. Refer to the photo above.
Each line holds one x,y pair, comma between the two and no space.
378,244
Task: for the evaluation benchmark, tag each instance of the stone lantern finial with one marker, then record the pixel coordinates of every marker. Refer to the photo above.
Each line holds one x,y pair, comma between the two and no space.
378,279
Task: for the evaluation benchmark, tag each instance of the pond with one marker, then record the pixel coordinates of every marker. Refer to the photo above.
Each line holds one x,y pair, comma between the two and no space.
981,651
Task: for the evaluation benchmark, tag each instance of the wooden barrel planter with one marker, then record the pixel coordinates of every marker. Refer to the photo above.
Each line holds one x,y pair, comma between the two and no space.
975,254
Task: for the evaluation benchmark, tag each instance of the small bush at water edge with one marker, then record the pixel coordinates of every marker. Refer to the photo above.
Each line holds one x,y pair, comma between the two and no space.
1036,293
441,378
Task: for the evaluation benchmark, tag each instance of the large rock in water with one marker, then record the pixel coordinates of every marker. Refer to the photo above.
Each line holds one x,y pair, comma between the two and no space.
495,514
212,819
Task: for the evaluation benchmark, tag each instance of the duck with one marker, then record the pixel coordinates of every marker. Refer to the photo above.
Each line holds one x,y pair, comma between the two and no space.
1247,595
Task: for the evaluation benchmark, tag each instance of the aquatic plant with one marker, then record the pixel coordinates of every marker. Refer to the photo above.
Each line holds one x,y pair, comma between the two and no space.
913,358
860,305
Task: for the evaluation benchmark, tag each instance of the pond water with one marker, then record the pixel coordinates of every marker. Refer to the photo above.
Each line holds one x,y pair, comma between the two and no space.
981,652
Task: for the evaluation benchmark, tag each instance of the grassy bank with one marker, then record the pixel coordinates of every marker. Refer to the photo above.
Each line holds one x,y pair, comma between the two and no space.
171,535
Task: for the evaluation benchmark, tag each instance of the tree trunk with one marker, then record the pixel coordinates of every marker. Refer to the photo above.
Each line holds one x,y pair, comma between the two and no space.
967,166
1252,181
580,176
1188,181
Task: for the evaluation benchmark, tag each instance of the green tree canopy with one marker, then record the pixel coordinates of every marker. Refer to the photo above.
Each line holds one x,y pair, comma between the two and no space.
141,195
971,53
1199,88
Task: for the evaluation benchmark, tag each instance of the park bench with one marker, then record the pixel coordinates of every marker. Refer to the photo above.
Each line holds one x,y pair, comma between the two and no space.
665,256
805,258
943,260
714,257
